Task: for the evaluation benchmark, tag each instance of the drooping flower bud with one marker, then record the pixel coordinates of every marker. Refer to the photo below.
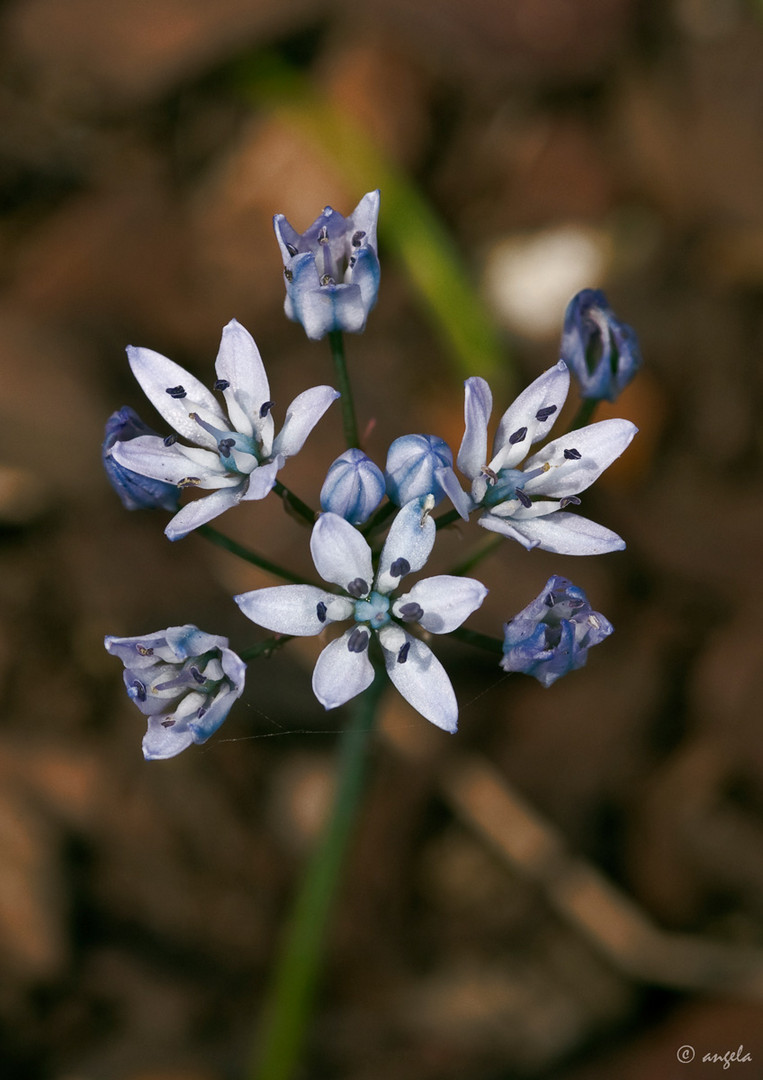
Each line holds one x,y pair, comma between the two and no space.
137,492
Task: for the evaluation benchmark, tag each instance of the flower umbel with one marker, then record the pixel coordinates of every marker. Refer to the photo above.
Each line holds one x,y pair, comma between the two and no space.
236,455
331,269
528,503
183,680
343,557
553,634
136,492
602,352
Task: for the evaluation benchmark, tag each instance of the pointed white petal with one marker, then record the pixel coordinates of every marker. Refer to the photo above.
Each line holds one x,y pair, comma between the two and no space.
365,216
301,610
200,511
410,540
160,743
506,528
478,404
424,683
564,534
445,600
448,481
340,675
285,234
530,411
597,446
262,480
341,554
240,365
157,375
149,456
301,417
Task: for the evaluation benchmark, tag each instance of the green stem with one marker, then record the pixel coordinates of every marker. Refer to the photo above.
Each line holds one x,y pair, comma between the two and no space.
301,509
265,648
447,518
233,546
585,412
291,996
349,421
481,641
379,518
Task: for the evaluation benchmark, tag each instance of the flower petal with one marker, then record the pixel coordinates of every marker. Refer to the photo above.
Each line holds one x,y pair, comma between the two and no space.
262,480
200,511
340,674
593,449
175,393
410,541
161,743
301,417
478,404
301,610
445,600
149,456
534,410
423,682
564,534
239,364
341,554
365,216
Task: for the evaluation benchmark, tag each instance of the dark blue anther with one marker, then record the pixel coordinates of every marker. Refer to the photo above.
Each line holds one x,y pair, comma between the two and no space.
411,612
400,567
357,237
524,499
572,454
221,384
176,391
225,445
140,690
168,723
569,500
518,436
170,440
402,655
201,711
357,642
291,249
548,600
320,611
265,408
357,588
544,413
200,679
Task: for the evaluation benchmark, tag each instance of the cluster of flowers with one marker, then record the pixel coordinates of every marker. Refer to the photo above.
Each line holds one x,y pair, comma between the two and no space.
185,681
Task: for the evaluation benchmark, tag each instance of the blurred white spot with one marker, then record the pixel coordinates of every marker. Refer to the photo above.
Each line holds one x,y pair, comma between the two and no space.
530,279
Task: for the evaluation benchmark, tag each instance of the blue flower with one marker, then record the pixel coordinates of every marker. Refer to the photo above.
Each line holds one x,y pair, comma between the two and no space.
183,680
554,633
353,487
137,492
602,352
374,607
236,455
420,465
331,269
528,503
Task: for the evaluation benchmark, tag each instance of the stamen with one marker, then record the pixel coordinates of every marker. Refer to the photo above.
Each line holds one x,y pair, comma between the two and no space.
491,476
518,436
569,500
548,599
523,498
357,642
357,237
545,412
221,384
292,250
288,274
327,279
200,679
140,690
402,655
201,711
189,481
170,440
411,612
357,588
400,567
176,391
572,454
323,235
352,260
426,509
265,408
224,446
320,611
144,651
168,723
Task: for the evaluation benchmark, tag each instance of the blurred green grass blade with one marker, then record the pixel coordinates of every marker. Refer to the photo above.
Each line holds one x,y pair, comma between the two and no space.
408,226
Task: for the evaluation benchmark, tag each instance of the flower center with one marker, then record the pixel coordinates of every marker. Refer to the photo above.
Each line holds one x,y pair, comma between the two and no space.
374,610
508,482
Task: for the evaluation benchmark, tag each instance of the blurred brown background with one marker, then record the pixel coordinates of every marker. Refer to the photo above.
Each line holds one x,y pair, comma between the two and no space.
572,887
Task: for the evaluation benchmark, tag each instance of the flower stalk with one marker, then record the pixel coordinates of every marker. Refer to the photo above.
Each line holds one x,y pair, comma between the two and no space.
349,419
